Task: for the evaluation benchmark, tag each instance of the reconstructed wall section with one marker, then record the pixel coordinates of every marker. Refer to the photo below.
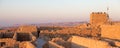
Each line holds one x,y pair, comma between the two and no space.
98,18
110,31
89,43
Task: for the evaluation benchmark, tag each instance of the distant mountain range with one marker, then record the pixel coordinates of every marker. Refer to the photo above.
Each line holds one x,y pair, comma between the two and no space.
61,24
48,24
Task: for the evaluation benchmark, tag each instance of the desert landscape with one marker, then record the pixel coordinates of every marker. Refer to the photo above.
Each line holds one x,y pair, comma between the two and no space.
59,24
100,32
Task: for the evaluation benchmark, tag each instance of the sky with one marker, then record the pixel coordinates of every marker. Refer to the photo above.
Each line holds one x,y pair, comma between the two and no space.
14,12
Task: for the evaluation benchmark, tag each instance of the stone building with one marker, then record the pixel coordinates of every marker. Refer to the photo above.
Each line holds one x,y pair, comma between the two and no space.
98,18
13,40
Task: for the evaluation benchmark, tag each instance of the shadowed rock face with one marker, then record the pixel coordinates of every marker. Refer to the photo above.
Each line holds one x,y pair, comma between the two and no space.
23,37
6,35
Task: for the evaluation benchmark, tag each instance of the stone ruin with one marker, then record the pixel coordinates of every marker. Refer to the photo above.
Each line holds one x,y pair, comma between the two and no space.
14,39
108,34
99,33
18,38
81,42
7,39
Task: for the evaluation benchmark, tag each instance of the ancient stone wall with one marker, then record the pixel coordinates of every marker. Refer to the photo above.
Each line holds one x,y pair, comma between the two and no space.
98,18
110,31
27,29
89,43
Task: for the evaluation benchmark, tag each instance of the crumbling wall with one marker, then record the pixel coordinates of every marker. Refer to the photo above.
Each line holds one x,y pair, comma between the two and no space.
110,31
89,43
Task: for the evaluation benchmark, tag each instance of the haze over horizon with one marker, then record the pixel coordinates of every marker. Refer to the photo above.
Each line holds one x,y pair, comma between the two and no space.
46,11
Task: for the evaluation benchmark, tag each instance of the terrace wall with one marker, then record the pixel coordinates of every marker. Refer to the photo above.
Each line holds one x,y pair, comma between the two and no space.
89,43
110,31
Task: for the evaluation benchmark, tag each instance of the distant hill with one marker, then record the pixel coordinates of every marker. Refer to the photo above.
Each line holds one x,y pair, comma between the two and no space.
67,24
61,24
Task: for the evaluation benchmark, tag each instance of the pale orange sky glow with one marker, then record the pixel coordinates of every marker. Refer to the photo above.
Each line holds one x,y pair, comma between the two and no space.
46,11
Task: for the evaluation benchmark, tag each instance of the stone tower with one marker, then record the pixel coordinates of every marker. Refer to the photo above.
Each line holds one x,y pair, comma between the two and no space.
98,18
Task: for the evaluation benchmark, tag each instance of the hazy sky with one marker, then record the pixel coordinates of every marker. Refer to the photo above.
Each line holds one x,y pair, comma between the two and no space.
43,11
